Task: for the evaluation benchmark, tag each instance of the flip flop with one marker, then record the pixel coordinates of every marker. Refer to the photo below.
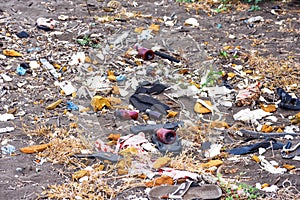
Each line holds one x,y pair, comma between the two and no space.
287,101
186,191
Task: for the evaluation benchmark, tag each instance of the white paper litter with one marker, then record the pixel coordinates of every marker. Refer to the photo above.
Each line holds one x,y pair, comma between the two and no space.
6,129
247,115
6,78
67,87
77,58
191,22
5,117
215,149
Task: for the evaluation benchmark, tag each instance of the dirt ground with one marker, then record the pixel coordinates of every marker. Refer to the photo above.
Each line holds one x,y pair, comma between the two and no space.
270,48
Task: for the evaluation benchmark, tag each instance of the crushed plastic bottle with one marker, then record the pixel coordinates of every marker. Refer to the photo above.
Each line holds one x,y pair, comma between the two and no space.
166,136
126,114
144,53
154,114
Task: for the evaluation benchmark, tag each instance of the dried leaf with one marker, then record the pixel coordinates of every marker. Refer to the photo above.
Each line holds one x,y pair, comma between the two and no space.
289,167
212,163
139,29
265,185
267,128
231,75
256,158
111,76
114,136
13,53
268,108
114,100
219,124
54,105
161,162
122,171
163,180
154,27
99,102
34,148
115,89
79,174
199,108
171,114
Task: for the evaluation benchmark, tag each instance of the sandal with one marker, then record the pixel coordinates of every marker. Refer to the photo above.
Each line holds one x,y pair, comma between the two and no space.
186,191
287,101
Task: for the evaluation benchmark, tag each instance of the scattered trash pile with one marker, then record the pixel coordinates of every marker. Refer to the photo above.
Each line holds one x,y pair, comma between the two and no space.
124,119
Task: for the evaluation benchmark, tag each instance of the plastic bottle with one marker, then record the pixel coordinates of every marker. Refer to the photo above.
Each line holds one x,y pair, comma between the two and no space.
146,54
154,115
166,136
126,114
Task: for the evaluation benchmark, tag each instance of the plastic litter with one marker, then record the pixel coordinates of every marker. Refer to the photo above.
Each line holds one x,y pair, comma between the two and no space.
7,129
50,68
72,106
23,34
8,149
5,117
45,24
144,53
248,115
104,156
154,115
165,135
21,71
287,101
127,114
254,19
268,143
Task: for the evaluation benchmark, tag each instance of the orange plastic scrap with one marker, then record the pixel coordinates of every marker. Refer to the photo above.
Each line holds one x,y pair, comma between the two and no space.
163,180
34,148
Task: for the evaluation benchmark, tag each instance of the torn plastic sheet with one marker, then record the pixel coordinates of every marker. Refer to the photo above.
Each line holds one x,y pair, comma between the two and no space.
178,174
5,117
246,96
247,115
215,149
7,129
121,38
144,102
131,140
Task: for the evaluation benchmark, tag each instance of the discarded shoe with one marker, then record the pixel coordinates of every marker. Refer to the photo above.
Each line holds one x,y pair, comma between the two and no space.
290,152
186,191
174,148
287,101
269,142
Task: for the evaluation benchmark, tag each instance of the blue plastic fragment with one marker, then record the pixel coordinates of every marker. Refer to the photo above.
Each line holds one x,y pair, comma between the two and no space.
21,71
33,49
23,34
72,106
121,78
8,149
